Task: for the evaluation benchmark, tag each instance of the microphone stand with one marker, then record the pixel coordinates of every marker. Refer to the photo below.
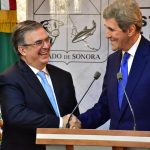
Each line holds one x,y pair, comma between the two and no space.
68,125
119,76
96,76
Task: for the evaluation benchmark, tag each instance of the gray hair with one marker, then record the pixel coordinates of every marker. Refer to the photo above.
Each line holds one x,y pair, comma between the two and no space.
125,12
20,30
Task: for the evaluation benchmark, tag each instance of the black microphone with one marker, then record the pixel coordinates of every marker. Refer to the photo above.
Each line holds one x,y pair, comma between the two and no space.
96,76
119,77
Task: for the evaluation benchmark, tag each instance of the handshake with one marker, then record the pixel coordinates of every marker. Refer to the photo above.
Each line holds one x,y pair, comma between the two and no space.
72,121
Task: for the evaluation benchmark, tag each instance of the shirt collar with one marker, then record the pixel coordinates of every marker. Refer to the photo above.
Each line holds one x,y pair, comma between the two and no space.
133,49
36,70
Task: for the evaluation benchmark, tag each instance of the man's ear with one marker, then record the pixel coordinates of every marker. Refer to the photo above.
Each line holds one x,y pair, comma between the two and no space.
131,30
21,50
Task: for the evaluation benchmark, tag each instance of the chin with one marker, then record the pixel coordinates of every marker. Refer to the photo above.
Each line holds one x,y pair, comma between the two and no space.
45,61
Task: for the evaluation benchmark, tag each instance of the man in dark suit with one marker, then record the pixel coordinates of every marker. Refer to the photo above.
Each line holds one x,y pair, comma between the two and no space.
123,22
25,105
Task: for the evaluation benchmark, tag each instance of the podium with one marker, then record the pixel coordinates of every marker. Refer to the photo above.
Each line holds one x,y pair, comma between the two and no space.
68,138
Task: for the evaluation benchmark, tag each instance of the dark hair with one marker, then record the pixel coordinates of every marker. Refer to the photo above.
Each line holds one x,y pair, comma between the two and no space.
20,30
125,12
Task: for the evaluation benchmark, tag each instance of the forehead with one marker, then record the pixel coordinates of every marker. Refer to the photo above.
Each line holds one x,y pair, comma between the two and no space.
111,23
34,35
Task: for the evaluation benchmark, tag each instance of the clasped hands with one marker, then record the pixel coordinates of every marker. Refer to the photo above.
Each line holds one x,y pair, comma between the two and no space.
74,122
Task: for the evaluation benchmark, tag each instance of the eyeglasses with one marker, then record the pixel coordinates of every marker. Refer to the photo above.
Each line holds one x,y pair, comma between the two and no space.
40,43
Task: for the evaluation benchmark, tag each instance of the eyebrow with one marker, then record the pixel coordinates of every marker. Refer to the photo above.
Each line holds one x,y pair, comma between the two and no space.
111,29
42,39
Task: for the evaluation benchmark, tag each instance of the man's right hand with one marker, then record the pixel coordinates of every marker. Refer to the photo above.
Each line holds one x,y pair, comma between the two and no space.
74,122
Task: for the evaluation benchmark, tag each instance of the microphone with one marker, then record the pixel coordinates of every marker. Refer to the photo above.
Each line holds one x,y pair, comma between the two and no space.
96,76
119,77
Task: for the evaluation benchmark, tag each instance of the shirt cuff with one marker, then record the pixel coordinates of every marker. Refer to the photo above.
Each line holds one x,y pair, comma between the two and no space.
61,123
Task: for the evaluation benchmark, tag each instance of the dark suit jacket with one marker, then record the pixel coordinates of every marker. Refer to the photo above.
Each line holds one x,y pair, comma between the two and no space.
25,105
137,88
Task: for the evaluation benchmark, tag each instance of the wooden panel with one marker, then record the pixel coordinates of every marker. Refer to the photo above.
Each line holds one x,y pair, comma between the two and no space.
113,138
118,148
69,147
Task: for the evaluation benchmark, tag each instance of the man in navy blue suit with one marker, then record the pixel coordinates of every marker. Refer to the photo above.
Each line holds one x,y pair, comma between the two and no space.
123,23
25,105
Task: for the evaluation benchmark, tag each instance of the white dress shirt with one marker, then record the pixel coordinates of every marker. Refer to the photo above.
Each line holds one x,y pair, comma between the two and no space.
50,83
132,52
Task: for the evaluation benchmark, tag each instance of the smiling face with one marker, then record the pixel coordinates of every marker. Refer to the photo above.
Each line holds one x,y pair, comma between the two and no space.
118,39
36,55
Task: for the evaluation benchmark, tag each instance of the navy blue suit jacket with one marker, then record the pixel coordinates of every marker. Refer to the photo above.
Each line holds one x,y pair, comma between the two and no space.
25,105
137,88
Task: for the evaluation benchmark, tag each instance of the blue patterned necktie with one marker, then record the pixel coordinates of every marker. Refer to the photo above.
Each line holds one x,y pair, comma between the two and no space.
48,90
124,71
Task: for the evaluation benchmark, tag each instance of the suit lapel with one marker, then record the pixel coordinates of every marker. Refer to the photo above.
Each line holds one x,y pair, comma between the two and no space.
33,82
56,85
114,66
136,71
115,84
